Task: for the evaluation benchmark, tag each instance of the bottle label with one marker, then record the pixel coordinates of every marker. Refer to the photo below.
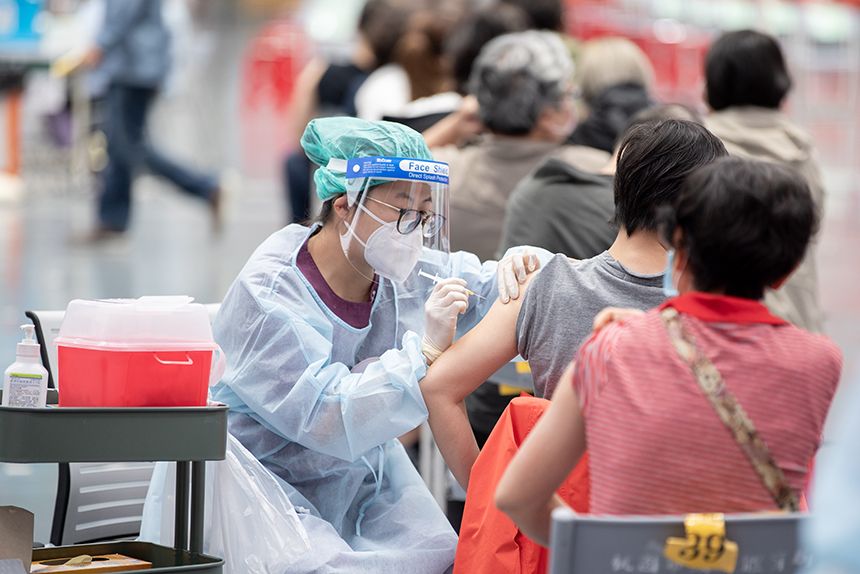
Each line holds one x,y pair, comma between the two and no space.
24,390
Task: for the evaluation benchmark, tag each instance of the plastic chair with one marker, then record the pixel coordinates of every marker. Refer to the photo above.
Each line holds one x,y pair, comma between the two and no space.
97,501
579,544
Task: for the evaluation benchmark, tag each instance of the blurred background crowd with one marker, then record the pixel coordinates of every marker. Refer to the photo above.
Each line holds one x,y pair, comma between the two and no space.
247,75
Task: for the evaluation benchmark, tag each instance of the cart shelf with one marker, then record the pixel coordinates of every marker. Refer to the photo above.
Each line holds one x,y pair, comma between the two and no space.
188,435
66,434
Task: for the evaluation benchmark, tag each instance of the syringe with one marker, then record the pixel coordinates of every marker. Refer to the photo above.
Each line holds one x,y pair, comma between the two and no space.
436,279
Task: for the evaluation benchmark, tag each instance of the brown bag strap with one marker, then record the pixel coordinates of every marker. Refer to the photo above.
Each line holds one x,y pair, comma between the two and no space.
730,411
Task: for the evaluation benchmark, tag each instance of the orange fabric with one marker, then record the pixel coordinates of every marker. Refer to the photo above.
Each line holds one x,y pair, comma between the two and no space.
489,541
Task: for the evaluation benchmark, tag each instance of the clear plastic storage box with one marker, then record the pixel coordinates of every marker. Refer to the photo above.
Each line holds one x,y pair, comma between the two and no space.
147,352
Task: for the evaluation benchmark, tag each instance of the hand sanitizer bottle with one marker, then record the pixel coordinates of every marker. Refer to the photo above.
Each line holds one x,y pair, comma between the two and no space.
25,383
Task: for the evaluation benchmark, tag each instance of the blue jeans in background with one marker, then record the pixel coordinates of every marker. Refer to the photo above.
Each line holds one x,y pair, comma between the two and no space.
128,149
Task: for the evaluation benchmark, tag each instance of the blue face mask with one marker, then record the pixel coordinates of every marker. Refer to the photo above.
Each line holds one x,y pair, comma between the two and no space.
668,288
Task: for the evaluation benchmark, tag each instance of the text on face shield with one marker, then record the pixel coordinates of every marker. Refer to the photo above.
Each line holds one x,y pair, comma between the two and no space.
424,167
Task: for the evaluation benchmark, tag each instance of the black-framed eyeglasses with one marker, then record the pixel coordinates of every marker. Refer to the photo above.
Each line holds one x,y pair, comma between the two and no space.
410,219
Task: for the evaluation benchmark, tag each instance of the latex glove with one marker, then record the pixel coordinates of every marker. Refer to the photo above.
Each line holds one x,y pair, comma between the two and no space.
448,299
512,271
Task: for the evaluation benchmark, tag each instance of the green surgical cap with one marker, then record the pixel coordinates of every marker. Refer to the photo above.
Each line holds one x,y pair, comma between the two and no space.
347,138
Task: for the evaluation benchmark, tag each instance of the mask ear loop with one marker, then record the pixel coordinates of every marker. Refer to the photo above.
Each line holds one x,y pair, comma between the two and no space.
350,230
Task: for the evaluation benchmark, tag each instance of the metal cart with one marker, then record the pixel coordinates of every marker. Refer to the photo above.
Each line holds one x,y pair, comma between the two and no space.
188,435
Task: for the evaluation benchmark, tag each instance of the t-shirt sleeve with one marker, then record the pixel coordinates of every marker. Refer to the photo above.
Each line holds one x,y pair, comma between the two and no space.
533,307
590,371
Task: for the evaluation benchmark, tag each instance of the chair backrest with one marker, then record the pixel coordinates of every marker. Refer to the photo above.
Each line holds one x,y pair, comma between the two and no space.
47,325
767,543
99,501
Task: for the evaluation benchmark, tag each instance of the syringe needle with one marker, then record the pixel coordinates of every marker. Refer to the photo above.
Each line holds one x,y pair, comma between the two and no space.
436,279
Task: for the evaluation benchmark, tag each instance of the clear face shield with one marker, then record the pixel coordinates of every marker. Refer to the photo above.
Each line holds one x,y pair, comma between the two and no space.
400,209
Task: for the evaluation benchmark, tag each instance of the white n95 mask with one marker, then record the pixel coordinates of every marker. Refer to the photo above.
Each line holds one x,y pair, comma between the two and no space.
392,254
400,214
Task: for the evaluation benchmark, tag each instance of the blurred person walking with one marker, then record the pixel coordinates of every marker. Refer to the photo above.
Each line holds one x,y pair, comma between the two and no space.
132,50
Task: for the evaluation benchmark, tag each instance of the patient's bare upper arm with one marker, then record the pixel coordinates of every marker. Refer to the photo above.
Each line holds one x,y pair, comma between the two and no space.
478,354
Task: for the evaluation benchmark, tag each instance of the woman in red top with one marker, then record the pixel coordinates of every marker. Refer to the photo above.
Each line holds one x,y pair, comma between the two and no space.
656,444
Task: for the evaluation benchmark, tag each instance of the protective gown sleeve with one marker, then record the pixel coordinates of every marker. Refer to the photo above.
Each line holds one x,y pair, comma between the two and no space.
279,366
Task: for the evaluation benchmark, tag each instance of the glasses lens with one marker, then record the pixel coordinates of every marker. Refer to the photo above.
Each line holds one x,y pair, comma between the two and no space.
433,224
409,220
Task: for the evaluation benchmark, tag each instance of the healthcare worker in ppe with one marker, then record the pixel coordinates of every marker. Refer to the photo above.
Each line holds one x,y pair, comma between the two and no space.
327,333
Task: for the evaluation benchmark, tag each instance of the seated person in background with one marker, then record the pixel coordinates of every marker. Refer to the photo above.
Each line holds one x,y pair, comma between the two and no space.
566,210
747,82
419,53
544,14
555,314
656,443
464,43
326,88
523,85
614,77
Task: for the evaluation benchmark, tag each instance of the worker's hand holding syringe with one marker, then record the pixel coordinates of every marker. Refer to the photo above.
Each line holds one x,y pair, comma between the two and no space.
448,299
437,279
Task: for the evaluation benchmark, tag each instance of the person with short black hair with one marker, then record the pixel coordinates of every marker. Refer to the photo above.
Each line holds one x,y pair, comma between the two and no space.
556,312
746,68
747,81
746,226
554,315
544,14
464,43
708,403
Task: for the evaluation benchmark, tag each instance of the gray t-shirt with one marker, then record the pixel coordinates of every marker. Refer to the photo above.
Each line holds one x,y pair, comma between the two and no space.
561,302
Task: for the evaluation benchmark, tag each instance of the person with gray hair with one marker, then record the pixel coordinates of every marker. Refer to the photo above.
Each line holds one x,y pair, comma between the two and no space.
523,85
518,75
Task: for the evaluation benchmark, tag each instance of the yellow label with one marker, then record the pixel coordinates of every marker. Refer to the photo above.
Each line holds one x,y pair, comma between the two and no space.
705,547
522,367
508,390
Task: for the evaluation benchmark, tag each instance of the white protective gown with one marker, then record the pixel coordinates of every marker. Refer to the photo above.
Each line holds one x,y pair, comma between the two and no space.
327,433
